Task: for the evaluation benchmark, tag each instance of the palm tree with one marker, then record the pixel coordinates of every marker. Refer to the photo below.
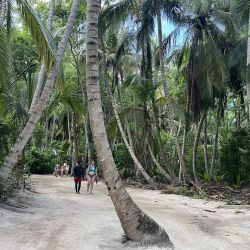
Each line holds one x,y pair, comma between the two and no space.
149,10
136,224
241,10
124,137
41,74
3,12
204,56
23,137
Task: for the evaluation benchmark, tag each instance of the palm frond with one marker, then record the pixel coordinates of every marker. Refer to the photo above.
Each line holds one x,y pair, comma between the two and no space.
115,14
171,39
42,37
4,62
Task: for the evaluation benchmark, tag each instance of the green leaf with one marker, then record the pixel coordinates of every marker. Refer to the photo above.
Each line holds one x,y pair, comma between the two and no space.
42,37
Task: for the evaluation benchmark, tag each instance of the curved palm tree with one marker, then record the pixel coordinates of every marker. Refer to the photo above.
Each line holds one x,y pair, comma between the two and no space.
41,74
11,159
136,224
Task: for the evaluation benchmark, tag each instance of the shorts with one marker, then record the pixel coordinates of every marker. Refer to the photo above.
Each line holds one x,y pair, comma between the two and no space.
78,179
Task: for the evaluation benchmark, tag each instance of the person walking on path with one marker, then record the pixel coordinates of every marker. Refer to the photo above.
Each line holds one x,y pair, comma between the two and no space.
91,176
66,169
78,176
57,169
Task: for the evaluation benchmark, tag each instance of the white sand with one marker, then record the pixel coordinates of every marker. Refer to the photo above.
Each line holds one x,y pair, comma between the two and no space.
56,218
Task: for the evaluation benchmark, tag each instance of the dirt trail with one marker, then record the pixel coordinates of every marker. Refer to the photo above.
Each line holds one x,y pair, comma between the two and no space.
55,218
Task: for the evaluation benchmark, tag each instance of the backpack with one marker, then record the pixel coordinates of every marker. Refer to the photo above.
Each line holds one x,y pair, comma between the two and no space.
78,171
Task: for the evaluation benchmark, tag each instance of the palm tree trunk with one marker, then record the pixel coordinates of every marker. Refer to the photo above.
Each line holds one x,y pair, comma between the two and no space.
124,137
158,165
74,139
248,68
3,12
196,143
163,155
218,118
69,132
166,92
20,169
35,115
136,224
42,72
86,130
86,117
205,146
46,131
53,128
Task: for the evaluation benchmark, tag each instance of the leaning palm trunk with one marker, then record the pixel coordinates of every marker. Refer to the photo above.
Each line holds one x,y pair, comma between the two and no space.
166,92
216,136
24,136
3,12
136,224
196,143
163,155
124,137
41,75
158,165
248,69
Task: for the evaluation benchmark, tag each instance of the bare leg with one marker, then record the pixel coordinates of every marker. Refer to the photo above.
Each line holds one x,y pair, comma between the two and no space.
92,184
89,182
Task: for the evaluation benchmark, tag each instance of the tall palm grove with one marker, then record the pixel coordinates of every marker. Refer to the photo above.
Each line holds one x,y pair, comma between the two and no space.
156,91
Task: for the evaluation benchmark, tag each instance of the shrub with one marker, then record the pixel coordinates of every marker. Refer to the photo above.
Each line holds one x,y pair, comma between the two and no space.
40,162
235,158
123,161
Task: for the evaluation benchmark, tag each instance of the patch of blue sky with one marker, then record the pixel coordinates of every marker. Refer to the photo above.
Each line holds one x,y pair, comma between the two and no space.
167,28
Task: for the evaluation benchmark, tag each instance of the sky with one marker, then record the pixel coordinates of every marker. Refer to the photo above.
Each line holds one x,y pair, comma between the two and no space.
167,28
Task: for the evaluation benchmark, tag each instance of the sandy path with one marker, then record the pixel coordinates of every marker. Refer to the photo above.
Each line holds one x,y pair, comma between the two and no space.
56,218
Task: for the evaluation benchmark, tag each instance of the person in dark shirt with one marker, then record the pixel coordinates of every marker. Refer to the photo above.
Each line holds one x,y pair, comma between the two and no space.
78,176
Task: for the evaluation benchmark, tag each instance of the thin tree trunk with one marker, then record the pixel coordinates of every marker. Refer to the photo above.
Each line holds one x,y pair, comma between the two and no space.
130,150
20,169
158,165
186,128
35,115
196,143
136,224
166,92
53,128
86,130
248,67
74,139
163,155
46,131
179,128
42,72
3,12
86,117
218,118
131,143
205,146
69,133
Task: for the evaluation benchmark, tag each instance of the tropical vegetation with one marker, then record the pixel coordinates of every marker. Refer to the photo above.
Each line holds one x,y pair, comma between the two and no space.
154,90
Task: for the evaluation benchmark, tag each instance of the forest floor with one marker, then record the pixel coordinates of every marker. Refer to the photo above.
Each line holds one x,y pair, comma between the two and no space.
50,216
